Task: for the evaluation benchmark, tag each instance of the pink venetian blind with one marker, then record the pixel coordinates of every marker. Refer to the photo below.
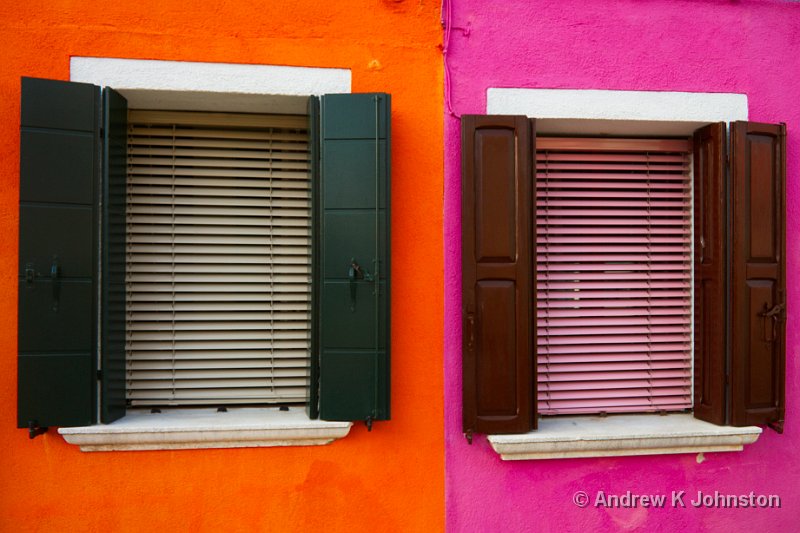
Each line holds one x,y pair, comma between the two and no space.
614,275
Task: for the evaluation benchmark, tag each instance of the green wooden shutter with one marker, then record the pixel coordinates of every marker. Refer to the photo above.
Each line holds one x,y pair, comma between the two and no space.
312,407
115,173
59,166
352,273
499,286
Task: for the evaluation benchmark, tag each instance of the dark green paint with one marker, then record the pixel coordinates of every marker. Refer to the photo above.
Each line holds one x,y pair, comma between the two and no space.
351,323
351,235
355,385
43,329
55,387
349,170
352,116
68,155
312,407
115,174
352,319
62,105
59,166
48,231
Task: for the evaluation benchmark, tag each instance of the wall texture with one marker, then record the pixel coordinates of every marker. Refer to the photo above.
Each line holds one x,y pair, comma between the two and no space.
391,478
750,47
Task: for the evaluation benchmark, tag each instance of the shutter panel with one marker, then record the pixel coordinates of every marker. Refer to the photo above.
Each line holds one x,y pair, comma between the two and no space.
59,163
115,173
710,335
613,275
758,274
218,259
353,271
499,342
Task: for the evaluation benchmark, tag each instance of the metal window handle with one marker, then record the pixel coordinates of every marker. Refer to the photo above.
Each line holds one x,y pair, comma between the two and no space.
774,313
55,279
355,272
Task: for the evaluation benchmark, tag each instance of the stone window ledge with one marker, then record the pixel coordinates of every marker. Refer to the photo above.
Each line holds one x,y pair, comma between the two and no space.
175,429
618,435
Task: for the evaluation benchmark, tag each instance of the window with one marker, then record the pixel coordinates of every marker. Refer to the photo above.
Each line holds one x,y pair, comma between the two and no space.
499,288
77,244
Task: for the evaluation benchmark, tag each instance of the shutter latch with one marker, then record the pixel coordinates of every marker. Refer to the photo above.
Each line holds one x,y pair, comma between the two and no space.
30,273
774,314
355,272
34,429
55,271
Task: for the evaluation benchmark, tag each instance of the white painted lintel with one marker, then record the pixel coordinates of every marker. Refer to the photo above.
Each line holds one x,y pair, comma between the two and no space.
613,112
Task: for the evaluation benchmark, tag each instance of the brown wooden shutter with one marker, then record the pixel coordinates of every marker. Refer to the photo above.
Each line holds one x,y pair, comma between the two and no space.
709,273
758,275
498,264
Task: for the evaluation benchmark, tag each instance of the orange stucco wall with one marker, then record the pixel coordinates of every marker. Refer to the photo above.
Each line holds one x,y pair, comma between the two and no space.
388,480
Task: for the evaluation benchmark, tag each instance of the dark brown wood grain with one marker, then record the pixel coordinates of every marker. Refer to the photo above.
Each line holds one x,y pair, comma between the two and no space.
758,273
709,274
498,282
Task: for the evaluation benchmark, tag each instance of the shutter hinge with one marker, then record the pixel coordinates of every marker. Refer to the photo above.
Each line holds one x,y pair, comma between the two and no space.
34,429
30,274
99,375
776,426
468,436
368,422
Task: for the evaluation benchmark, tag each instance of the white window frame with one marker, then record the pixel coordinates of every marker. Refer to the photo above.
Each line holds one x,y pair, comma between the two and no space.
620,113
181,85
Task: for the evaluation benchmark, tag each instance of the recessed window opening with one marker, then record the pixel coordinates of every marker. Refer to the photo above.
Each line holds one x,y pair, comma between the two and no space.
614,267
218,282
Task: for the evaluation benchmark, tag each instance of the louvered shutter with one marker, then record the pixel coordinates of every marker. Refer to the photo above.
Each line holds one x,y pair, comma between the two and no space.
499,345
613,272
59,164
218,259
758,273
710,335
353,271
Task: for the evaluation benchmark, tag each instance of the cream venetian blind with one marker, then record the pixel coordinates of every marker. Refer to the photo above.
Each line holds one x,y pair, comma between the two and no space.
218,259
613,278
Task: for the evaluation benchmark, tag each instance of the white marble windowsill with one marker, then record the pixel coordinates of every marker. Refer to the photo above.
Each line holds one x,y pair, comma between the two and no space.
175,429
616,435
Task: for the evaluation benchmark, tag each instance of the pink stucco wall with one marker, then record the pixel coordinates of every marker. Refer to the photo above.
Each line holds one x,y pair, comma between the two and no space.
745,46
